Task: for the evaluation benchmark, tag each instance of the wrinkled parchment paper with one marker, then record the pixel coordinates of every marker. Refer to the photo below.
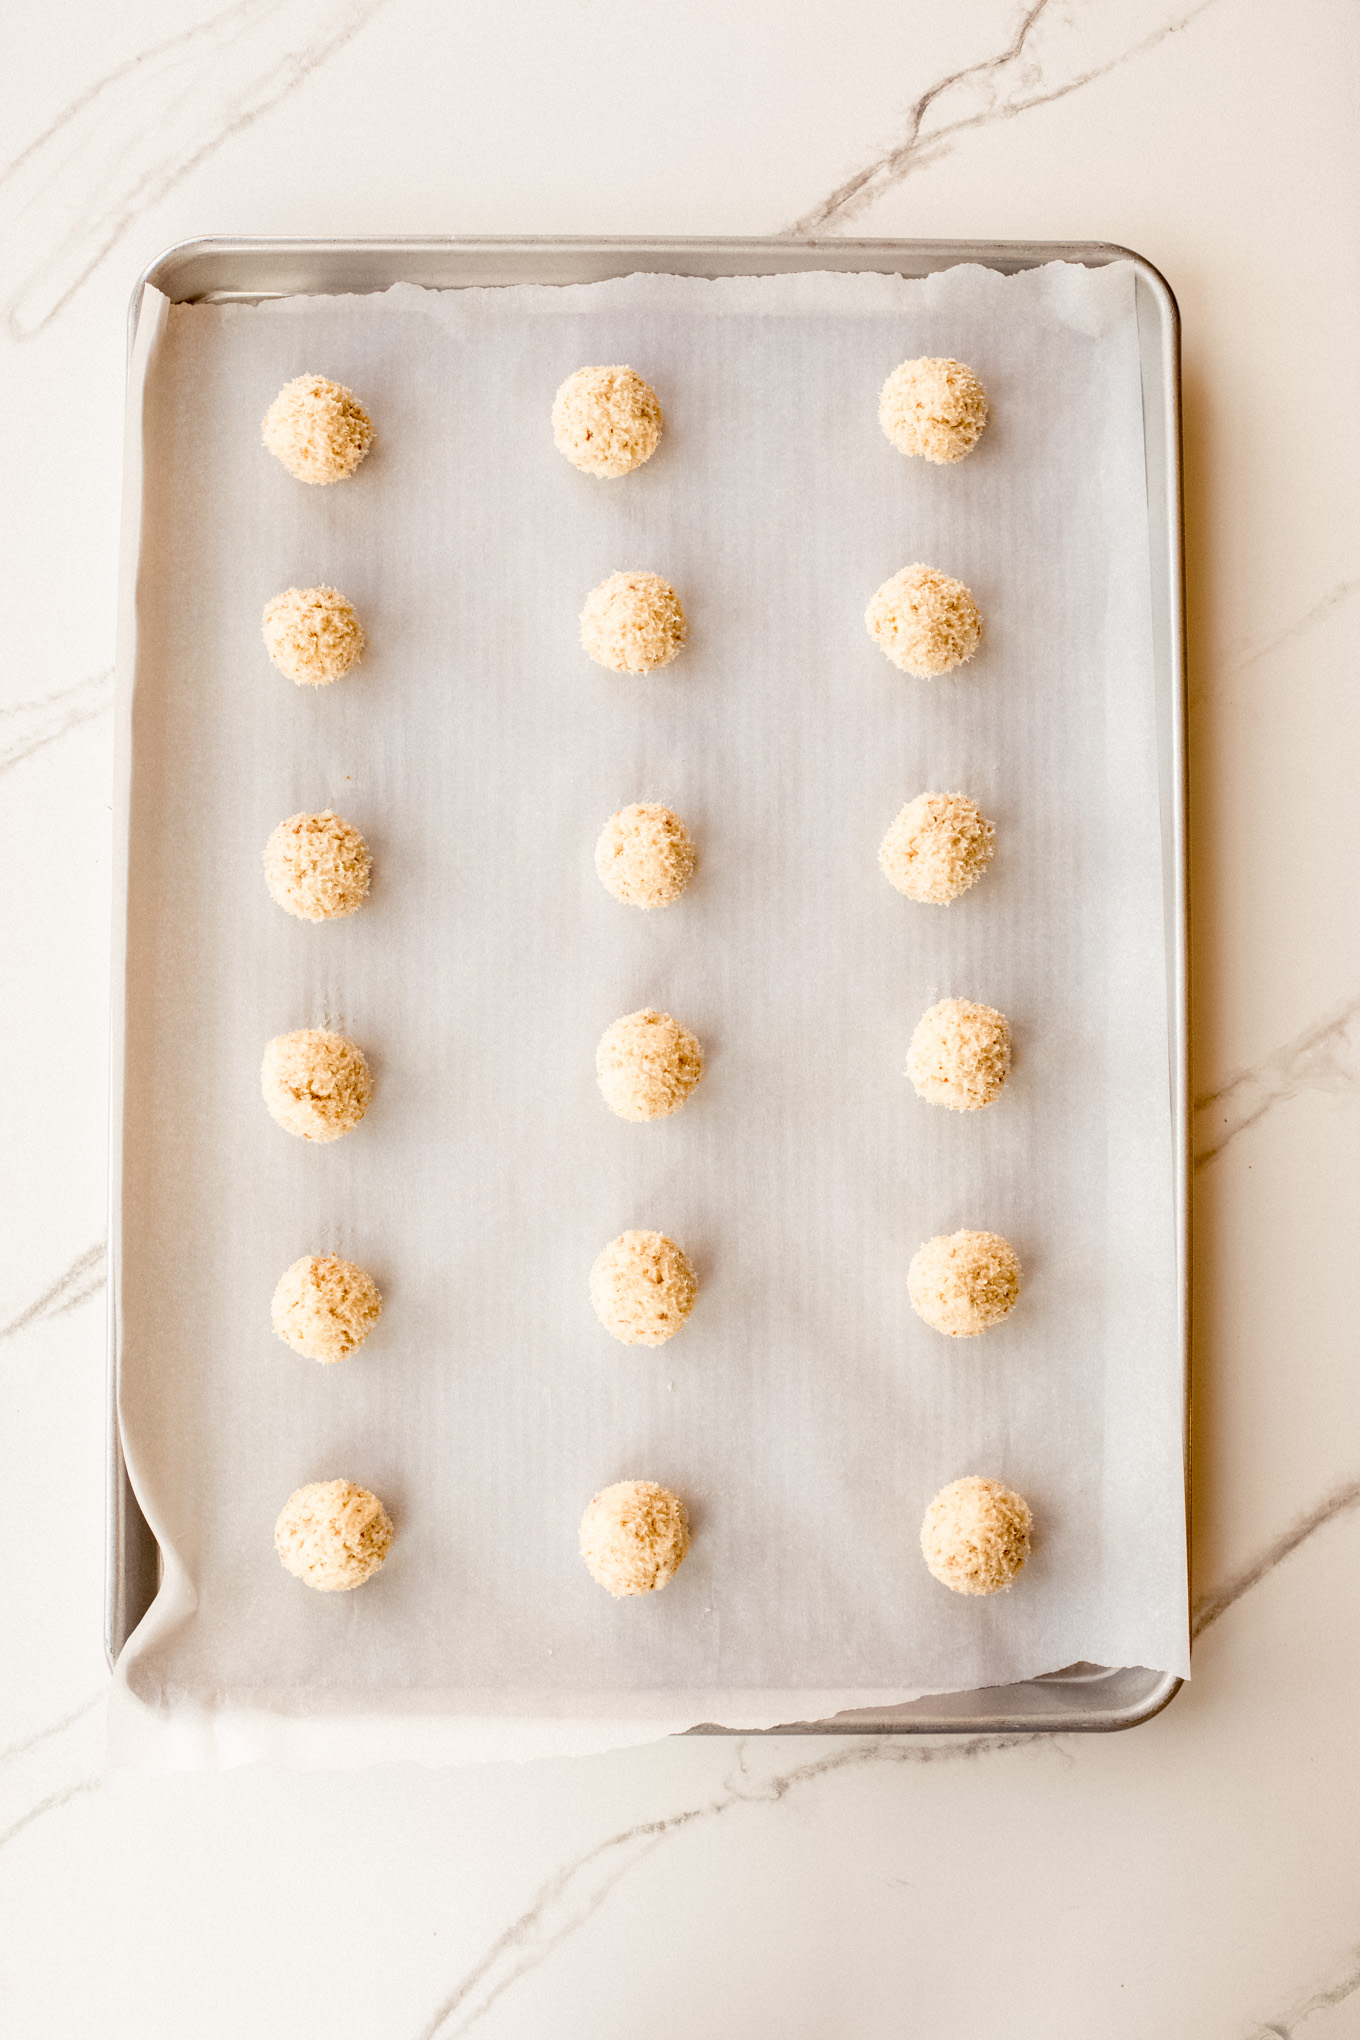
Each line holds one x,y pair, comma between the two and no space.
805,1414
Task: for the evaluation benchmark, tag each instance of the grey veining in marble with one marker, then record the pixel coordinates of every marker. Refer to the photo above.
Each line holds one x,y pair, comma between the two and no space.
26,726
119,147
1219,1599
1322,1997
577,1892
1319,611
1324,1057
84,1278
51,1767
1053,51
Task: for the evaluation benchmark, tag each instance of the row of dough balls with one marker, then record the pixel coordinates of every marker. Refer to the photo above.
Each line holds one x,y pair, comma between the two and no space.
318,867
641,1285
607,421
924,621
317,1084
643,1288
333,1535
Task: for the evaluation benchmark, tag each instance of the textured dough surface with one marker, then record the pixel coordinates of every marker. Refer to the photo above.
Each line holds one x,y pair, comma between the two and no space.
315,1083
934,408
643,1288
607,421
644,855
324,1308
318,429
647,1064
332,1535
960,1054
938,846
317,867
924,622
633,623
312,635
634,1537
963,1282
976,1535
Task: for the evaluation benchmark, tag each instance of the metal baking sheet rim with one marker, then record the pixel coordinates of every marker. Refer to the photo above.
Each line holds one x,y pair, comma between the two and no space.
1080,1697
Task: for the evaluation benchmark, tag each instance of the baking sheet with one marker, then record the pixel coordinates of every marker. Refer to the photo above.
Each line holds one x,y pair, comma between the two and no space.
805,1413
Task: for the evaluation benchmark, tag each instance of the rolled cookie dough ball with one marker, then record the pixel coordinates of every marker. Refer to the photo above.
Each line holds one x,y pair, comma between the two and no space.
643,1288
606,421
924,622
647,1065
332,1535
324,1308
312,635
318,429
644,855
316,1084
960,1054
938,847
634,1537
317,866
633,623
963,1282
933,407
975,1536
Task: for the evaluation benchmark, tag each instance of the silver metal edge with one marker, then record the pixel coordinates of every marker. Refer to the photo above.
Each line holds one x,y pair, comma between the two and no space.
126,1527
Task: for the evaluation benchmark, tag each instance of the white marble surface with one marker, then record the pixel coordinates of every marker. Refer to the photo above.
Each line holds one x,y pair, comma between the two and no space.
1197,1877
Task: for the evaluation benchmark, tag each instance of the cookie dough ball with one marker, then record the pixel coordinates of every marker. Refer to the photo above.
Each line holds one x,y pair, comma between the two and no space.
312,635
643,1288
963,1282
938,846
924,622
324,1308
316,1084
607,421
317,866
634,1537
647,1065
318,429
975,1536
960,1054
644,855
332,1535
934,408
633,623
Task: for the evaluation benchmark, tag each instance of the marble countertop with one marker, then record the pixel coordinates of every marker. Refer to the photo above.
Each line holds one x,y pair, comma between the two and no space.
1195,1877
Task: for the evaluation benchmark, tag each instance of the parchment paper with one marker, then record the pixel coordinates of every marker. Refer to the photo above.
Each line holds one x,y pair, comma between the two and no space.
805,1414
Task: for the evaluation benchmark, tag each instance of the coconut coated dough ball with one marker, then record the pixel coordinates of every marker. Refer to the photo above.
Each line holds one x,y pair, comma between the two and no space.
924,622
933,407
332,1535
312,635
938,847
643,1288
317,866
324,1308
963,1282
647,1065
316,1084
960,1055
633,623
634,1537
644,855
318,429
975,1536
606,421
